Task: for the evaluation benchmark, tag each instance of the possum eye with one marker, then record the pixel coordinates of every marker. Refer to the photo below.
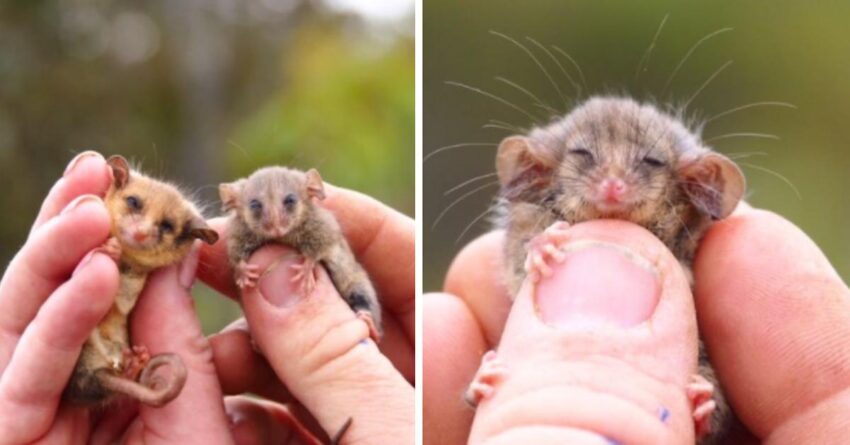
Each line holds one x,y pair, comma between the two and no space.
581,152
255,205
289,201
653,162
166,226
134,203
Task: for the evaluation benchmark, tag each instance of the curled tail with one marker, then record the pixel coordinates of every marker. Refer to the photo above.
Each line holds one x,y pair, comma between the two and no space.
151,389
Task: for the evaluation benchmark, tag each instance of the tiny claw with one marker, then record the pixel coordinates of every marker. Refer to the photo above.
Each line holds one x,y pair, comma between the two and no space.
370,323
491,372
544,249
700,392
111,248
306,275
247,275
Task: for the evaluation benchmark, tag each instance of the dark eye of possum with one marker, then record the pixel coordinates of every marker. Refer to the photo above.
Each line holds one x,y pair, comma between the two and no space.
134,203
166,226
582,152
255,205
289,201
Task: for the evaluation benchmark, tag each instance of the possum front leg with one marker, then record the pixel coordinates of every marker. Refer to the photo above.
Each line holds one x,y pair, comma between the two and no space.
712,416
353,284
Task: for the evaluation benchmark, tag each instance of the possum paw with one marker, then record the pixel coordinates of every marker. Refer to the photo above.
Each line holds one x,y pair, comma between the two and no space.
306,274
700,392
374,333
135,360
112,248
491,372
544,248
247,275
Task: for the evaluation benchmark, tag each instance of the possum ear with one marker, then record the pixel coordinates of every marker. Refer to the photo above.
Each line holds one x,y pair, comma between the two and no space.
120,170
524,169
315,186
198,229
713,183
229,194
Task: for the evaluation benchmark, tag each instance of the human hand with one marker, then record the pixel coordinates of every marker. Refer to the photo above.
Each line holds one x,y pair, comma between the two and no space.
53,294
763,330
316,356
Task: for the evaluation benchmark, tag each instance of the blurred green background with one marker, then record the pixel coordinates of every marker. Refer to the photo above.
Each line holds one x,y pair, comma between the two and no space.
205,91
796,52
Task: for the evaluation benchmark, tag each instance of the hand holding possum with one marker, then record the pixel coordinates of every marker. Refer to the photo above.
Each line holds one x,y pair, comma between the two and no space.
774,320
313,348
53,294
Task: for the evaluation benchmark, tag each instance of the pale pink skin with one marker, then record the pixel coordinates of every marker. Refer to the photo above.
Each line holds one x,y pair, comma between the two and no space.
545,254
769,321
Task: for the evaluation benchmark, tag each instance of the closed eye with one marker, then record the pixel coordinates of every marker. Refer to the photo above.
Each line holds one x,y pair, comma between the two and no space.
581,151
653,162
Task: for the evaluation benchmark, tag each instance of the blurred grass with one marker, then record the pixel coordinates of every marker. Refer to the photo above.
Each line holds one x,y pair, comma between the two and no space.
782,51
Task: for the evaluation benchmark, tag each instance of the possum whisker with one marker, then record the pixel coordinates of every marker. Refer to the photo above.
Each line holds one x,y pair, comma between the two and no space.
454,146
536,61
644,60
240,148
681,221
574,63
536,100
467,182
688,55
749,105
460,199
776,174
743,135
743,155
497,126
705,84
474,221
576,86
492,96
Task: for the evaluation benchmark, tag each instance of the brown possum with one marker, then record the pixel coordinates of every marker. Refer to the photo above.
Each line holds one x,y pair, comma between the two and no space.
613,157
153,226
277,204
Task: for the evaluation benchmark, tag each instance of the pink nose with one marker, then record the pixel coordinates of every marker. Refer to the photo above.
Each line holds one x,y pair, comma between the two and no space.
612,189
140,236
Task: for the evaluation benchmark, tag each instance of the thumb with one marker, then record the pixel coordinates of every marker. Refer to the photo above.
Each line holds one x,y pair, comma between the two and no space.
322,353
612,330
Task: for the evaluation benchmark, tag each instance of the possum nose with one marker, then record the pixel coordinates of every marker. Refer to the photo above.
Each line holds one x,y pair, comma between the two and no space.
140,236
612,189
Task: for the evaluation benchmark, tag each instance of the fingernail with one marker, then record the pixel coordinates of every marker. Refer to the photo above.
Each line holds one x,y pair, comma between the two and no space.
82,264
276,284
79,201
598,283
76,161
189,265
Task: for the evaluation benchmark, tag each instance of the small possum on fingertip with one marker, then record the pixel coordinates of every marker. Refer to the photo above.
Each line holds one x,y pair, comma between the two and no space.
612,157
278,204
153,225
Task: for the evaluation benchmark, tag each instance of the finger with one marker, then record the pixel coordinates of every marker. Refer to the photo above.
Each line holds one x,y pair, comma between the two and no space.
477,276
382,239
241,369
86,174
612,331
45,262
320,349
257,422
32,384
775,314
452,346
165,321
